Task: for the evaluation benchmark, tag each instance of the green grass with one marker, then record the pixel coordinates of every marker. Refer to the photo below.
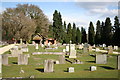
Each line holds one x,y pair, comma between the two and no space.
35,66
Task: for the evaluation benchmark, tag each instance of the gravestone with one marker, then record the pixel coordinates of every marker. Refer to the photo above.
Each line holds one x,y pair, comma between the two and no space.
85,48
115,47
90,49
57,62
67,48
63,50
36,46
22,59
72,51
118,62
80,46
21,41
24,49
62,59
48,66
101,58
110,50
97,49
16,52
93,68
4,59
71,69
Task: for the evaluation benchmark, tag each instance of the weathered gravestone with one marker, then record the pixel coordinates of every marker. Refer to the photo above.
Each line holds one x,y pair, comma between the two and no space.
67,48
93,68
71,69
85,48
97,49
115,47
110,50
22,59
48,66
101,58
118,62
4,59
16,52
80,46
72,51
62,59
90,49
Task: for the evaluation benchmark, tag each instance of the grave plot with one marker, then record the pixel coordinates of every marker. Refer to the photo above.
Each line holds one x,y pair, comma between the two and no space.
84,65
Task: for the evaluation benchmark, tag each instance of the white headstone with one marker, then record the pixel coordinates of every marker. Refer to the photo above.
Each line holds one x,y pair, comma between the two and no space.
71,69
115,47
67,48
36,47
97,49
93,68
63,50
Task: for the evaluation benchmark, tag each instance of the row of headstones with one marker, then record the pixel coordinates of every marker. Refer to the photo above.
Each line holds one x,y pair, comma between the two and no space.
22,59
100,59
71,50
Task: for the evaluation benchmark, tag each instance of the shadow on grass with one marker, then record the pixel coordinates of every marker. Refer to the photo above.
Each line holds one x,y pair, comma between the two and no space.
92,55
14,62
107,67
40,69
65,71
87,69
90,61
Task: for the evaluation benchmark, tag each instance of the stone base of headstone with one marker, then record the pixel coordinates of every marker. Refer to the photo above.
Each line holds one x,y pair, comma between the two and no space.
48,66
71,69
5,59
22,59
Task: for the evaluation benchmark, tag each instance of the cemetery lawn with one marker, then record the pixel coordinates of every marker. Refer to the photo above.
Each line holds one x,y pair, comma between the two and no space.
35,66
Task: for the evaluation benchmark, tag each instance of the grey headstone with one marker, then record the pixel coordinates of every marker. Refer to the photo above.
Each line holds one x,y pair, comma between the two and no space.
48,66
22,59
101,59
62,59
110,50
72,51
90,48
71,69
118,64
15,53
5,59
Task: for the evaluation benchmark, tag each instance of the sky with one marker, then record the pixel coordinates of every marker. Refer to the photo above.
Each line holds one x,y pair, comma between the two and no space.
78,12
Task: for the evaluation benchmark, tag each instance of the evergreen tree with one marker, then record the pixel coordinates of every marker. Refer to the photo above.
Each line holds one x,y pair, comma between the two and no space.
107,31
83,35
78,36
98,33
102,33
64,26
69,33
74,33
57,26
116,37
91,34
116,23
